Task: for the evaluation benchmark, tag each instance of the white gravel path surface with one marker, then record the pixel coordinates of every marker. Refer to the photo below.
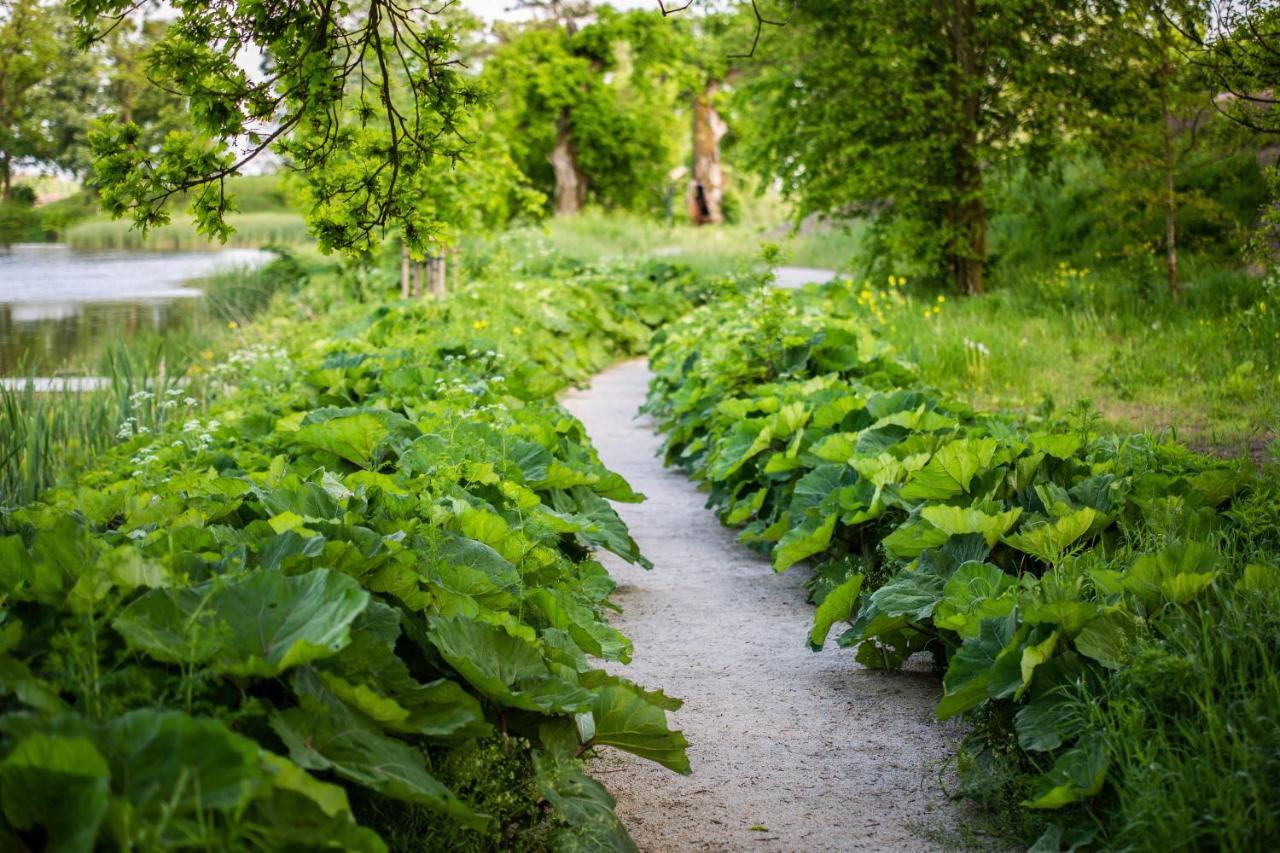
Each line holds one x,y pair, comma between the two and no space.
791,750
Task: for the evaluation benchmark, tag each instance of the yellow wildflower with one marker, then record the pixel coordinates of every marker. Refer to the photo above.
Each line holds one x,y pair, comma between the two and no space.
516,330
232,324
480,325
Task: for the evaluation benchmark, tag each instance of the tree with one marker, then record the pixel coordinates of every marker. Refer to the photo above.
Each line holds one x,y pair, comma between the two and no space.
28,47
1150,108
330,71
898,110
588,107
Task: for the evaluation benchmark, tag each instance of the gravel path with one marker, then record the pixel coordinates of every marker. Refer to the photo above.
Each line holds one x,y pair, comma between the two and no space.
791,750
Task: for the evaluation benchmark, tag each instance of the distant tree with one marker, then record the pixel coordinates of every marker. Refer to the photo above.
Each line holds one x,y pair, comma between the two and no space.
1150,109
28,49
899,110
588,104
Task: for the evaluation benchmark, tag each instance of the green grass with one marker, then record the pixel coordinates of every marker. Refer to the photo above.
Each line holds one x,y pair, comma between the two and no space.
251,230
595,236
1206,370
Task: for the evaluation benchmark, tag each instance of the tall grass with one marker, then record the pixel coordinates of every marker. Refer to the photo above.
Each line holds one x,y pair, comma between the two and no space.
145,383
252,230
45,434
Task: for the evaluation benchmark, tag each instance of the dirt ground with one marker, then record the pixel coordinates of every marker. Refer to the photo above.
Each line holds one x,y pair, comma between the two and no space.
791,750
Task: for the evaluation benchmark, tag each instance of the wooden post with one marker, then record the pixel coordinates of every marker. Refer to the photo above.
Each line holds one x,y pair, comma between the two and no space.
404,270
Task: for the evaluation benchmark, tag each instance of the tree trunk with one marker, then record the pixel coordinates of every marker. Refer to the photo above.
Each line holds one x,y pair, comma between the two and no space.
404,270
968,218
1170,196
417,280
6,178
707,189
571,183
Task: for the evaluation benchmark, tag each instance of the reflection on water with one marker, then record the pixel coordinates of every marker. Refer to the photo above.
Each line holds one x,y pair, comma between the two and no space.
58,306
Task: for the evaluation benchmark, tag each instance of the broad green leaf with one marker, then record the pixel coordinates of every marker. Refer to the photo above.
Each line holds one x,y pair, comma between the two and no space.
837,606
507,669
322,733
744,440
802,542
1047,722
974,592
907,597
262,623
957,521
950,471
1050,541
1109,638
912,538
583,804
356,438
165,759
58,782
969,673
625,719
1077,775
1176,575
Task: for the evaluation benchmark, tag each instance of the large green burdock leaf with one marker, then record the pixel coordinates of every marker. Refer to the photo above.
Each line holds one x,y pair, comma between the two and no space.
323,733
971,669
1047,721
261,623
1109,638
369,676
801,542
909,539
1050,541
583,804
625,719
509,670
950,471
745,439
358,438
908,597
1176,575
974,592
837,606
958,521
1077,774
59,782
580,622
151,753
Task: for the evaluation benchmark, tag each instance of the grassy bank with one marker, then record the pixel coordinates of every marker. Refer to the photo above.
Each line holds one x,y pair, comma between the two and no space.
48,437
251,230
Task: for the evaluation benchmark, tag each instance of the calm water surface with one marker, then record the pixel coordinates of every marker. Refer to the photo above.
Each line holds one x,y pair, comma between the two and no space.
58,306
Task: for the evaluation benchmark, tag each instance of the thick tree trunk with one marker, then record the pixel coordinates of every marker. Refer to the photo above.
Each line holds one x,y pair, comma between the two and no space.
968,249
707,190
571,183
1169,163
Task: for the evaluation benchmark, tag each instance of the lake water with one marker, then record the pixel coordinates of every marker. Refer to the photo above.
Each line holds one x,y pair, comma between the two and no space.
58,306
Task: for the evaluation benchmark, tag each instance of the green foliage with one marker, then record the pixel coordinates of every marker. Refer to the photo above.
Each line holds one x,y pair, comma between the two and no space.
610,85
335,585
365,105
898,111
1034,560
